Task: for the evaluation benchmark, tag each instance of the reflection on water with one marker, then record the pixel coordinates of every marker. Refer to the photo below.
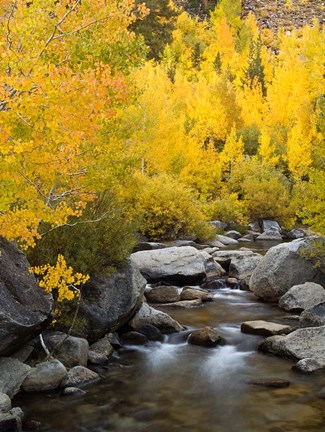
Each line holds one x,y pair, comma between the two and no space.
178,387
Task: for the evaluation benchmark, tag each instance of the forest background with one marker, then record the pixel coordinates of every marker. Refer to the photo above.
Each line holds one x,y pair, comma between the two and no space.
122,117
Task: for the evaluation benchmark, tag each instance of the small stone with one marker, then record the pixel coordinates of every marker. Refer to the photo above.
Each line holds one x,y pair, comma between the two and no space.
73,391
207,336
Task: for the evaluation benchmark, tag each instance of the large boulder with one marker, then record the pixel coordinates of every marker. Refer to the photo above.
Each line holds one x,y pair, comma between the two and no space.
12,374
110,301
314,316
24,307
71,351
302,344
175,264
301,297
284,266
148,315
240,263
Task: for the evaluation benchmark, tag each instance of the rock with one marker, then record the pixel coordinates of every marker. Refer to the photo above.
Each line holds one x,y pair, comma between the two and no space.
227,241
218,224
270,234
100,352
149,315
113,338
24,307
12,374
215,244
296,234
141,246
189,293
151,332
321,393
284,266
24,352
79,376
233,234
187,304
9,423
301,297
5,403
308,365
242,262
133,338
304,343
232,282
271,382
45,376
313,317
207,336
70,350
163,294
110,301
179,265
254,226
270,224
17,412
74,391
183,243
264,328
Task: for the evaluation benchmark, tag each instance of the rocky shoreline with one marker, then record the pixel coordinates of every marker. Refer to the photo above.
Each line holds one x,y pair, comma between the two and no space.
119,310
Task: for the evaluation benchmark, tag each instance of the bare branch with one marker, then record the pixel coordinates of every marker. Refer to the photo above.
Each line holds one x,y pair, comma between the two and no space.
24,120
33,184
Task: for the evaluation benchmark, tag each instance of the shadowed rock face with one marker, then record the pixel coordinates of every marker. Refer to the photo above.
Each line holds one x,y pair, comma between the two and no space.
275,15
24,307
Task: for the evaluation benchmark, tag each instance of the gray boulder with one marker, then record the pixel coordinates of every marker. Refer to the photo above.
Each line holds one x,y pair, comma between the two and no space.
5,403
296,234
45,376
110,301
301,297
163,294
70,350
304,343
270,234
189,293
12,374
270,224
240,263
148,315
226,241
284,266
79,376
218,224
174,264
264,328
233,234
100,351
314,316
24,307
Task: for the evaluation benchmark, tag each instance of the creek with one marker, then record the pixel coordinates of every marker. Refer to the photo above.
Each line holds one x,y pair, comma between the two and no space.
177,387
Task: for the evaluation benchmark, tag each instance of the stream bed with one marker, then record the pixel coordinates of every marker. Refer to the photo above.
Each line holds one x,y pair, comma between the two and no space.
177,387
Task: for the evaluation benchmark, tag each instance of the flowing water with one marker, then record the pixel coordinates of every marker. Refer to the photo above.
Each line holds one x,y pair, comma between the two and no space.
177,387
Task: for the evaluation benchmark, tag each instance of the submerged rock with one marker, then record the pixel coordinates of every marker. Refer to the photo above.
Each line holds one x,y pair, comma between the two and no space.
74,391
207,336
284,266
271,382
24,307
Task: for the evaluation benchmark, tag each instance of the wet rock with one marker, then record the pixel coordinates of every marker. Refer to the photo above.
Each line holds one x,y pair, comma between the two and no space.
207,336
163,294
313,317
232,282
213,284
308,365
242,262
134,338
301,297
9,423
110,301
45,376
70,350
264,328
74,391
100,351
24,307
12,374
304,343
79,376
284,266
5,403
151,332
189,293
271,382
225,240
161,320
